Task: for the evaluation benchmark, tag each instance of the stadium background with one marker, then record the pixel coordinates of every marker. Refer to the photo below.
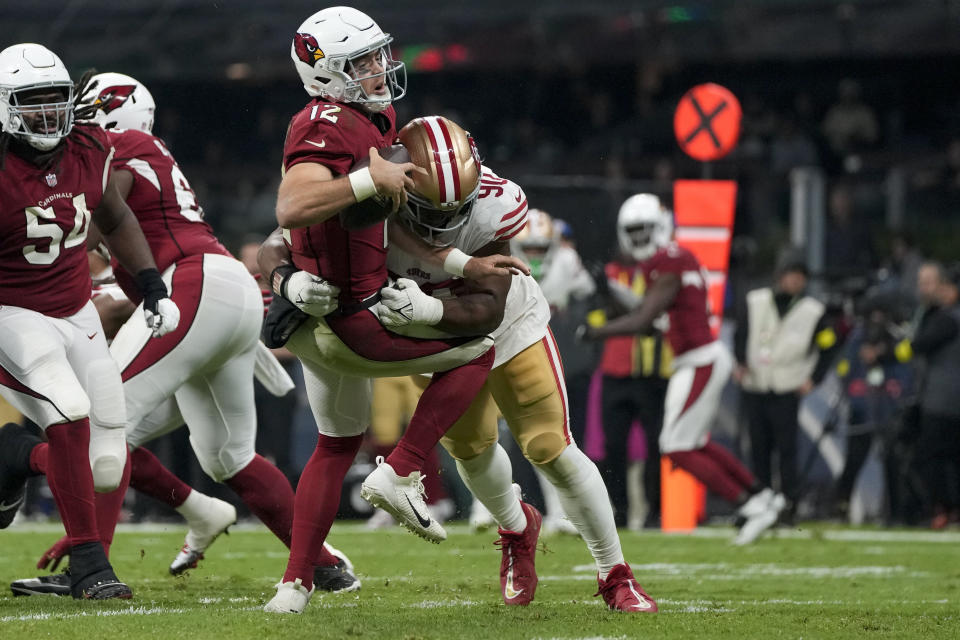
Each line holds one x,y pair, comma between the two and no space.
575,103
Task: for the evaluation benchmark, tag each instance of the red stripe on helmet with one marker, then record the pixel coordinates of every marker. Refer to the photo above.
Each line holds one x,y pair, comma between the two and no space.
454,169
436,157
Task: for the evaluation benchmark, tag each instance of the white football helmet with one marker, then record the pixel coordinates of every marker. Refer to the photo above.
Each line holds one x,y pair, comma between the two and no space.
123,103
27,71
642,226
536,242
324,51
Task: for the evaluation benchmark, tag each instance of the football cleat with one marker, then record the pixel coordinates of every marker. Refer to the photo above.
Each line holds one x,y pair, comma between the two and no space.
554,524
518,573
622,592
219,517
57,584
761,512
292,597
480,518
379,520
16,443
403,498
92,577
338,578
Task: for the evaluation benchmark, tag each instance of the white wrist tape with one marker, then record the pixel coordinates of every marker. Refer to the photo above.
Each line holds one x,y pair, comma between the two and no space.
362,184
455,261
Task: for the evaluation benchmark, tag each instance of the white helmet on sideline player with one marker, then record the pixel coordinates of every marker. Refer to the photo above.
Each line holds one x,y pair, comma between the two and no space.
325,48
124,103
28,70
641,226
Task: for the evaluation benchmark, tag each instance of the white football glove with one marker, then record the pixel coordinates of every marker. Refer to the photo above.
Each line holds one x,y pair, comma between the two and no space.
311,294
165,319
404,304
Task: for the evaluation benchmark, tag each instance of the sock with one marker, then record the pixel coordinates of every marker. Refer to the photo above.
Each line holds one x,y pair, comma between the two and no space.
489,478
317,501
584,498
38,458
445,399
734,467
268,495
432,480
108,507
325,558
551,500
150,477
704,468
70,479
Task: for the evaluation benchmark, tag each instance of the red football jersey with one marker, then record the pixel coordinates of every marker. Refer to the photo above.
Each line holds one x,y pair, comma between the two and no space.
163,202
338,136
44,219
689,313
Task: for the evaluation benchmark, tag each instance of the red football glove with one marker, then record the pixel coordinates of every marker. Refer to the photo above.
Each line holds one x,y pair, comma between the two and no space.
56,553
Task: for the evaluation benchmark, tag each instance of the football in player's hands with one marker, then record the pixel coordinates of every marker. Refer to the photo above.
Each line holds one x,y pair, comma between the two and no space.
376,208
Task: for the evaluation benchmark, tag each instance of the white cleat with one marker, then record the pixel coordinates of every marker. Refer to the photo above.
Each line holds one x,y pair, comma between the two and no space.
218,516
761,511
555,524
403,498
480,518
380,520
292,597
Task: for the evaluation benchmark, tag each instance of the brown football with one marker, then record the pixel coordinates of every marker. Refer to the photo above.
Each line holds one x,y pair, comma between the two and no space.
374,209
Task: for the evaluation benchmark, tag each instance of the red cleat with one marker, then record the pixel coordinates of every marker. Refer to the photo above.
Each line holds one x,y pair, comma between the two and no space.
518,575
622,592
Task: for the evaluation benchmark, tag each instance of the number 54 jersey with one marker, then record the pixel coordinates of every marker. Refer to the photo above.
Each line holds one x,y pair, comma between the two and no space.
44,218
499,213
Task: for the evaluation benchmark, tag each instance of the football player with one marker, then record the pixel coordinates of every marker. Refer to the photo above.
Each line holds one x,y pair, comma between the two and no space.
343,59
55,367
526,382
202,373
677,289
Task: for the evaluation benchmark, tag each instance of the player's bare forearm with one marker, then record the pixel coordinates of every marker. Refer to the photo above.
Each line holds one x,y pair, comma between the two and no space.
473,314
273,253
486,262
309,194
121,232
657,300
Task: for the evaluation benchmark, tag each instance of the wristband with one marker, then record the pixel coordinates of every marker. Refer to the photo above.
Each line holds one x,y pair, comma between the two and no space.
362,184
278,278
455,261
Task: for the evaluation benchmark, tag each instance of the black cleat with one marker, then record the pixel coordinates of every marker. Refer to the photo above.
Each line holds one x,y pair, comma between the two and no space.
92,577
16,443
57,584
335,578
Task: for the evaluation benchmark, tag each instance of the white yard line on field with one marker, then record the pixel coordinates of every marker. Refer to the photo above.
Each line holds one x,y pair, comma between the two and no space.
726,571
129,611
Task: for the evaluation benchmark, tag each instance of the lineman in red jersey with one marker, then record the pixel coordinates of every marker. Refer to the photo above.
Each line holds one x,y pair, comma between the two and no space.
344,61
201,374
54,364
676,286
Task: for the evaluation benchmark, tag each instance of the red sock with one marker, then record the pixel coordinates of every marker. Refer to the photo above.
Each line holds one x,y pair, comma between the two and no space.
70,479
729,462
38,458
317,501
268,494
699,464
108,507
433,481
445,399
150,477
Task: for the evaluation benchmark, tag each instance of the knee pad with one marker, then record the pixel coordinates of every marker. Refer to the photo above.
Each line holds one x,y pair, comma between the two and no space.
105,391
222,464
466,450
544,447
108,455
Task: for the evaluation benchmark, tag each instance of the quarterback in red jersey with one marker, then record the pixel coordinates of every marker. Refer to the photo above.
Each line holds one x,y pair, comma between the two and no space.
343,58
201,374
54,364
677,288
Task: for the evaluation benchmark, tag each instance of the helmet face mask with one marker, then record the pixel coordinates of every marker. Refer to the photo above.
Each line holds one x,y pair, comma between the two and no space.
36,96
436,226
331,52
119,102
641,226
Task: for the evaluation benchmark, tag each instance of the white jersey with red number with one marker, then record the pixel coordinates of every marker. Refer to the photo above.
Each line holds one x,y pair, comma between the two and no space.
499,213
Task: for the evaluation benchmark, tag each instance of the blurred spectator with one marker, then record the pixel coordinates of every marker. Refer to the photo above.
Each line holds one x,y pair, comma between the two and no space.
783,344
791,148
874,381
849,248
937,341
850,124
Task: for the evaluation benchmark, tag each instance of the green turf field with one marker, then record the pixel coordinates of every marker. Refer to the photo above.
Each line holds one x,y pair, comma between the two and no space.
804,583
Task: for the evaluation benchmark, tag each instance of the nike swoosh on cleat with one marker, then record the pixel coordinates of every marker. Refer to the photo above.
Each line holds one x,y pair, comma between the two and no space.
508,591
424,522
92,335
319,145
13,505
642,603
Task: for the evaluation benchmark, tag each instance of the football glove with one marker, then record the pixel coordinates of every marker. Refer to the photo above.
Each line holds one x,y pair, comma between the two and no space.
311,294
404,304
51,558
160,312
